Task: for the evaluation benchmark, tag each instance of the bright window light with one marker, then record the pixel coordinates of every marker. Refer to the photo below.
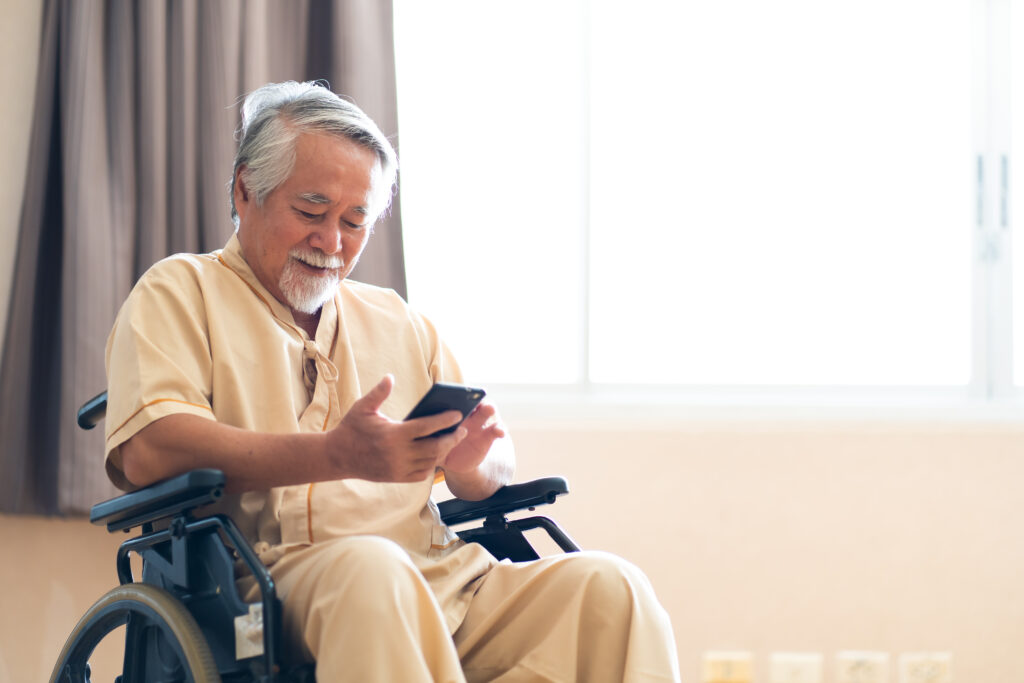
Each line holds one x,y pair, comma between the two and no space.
1015,177
691,193
493,154
781,193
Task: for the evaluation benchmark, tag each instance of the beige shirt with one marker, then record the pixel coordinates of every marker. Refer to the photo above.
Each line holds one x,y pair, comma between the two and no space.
200,335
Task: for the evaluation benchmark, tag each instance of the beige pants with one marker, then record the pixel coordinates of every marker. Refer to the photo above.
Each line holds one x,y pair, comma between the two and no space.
362,610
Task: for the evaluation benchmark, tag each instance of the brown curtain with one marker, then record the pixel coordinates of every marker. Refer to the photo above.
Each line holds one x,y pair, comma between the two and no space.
131,151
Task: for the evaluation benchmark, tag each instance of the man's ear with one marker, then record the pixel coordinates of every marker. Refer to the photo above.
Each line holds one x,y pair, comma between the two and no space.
240,191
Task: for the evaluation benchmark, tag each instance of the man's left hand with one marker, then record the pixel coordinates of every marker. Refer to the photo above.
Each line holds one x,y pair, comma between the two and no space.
483,428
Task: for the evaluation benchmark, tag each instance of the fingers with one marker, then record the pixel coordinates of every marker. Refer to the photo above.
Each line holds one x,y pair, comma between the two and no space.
425,426
485,418
419,469
431,453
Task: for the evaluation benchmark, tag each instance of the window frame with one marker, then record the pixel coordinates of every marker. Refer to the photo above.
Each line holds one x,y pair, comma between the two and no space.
991,391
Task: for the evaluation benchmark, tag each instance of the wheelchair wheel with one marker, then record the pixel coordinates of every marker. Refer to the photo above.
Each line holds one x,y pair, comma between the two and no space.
163,641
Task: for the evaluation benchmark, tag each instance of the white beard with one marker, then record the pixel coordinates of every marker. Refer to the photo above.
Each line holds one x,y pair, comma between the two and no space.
304,291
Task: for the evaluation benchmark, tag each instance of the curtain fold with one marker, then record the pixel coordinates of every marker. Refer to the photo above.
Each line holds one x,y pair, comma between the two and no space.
131,152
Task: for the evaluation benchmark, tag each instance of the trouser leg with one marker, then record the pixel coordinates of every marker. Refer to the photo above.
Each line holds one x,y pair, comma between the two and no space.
577,617
360,608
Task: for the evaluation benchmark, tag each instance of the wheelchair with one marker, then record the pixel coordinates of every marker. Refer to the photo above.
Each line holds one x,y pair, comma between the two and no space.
184,618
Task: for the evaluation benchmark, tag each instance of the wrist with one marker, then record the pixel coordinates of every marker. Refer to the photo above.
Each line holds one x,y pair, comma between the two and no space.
332,448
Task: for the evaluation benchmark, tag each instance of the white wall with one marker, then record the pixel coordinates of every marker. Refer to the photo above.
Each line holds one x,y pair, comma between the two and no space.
20,22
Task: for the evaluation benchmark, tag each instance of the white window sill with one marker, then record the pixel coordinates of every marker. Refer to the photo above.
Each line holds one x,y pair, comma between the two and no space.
755,408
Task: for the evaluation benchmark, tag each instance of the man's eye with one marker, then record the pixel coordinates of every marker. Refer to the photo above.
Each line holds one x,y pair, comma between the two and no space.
307,215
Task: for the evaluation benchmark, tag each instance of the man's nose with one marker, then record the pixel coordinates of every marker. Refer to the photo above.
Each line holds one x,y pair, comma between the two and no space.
327,240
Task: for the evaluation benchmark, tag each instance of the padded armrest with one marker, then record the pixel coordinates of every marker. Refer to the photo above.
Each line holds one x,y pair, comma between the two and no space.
162,499
202,487
506,499
92,411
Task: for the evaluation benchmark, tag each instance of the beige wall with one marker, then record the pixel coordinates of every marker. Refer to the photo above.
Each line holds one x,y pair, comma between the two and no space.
825,536
54,570
818,537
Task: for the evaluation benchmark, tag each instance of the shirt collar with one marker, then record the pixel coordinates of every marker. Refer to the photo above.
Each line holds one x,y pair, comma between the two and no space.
231,256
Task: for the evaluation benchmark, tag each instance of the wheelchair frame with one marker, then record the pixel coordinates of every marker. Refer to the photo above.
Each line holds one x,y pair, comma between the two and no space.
187,598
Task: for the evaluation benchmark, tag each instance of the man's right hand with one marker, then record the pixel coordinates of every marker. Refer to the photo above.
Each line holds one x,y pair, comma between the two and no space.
369,445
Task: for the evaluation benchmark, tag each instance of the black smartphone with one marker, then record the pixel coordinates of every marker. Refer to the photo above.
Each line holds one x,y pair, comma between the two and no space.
443,397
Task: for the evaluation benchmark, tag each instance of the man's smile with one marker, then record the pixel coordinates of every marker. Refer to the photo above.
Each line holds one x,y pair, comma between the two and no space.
316,262
316,269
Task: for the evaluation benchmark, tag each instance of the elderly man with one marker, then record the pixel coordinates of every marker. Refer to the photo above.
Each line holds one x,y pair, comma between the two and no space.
262,360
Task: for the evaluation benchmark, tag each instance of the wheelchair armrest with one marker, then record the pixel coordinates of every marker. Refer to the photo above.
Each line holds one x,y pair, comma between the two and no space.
92,411
162,499
507,499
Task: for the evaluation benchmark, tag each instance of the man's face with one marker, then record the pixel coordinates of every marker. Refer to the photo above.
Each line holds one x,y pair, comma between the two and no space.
311,229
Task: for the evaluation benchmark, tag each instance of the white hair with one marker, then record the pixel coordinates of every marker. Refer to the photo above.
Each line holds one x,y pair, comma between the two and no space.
275,115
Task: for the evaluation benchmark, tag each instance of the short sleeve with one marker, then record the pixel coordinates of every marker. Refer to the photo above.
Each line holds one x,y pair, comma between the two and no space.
158,356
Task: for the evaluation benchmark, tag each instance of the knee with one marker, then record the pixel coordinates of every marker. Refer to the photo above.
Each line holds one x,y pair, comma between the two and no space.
371,555
609,579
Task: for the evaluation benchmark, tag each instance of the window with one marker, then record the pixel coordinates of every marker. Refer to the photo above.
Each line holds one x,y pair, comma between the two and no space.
710,194
493,155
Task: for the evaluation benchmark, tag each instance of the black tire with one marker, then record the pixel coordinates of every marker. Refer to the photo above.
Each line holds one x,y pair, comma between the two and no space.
150,610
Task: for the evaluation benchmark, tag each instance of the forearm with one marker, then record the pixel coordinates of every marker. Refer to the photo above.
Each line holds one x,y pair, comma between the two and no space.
364,445
250,460
496,470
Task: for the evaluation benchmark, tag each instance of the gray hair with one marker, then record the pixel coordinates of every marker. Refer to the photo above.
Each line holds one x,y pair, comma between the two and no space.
275,115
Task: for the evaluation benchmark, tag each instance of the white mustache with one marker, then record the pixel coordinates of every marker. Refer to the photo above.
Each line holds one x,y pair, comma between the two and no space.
316,258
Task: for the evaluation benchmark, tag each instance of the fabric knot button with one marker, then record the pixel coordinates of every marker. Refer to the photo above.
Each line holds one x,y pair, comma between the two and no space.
310,354
316,364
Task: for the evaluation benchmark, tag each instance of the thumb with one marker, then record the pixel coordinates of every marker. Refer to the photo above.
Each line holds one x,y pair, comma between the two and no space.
376,396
